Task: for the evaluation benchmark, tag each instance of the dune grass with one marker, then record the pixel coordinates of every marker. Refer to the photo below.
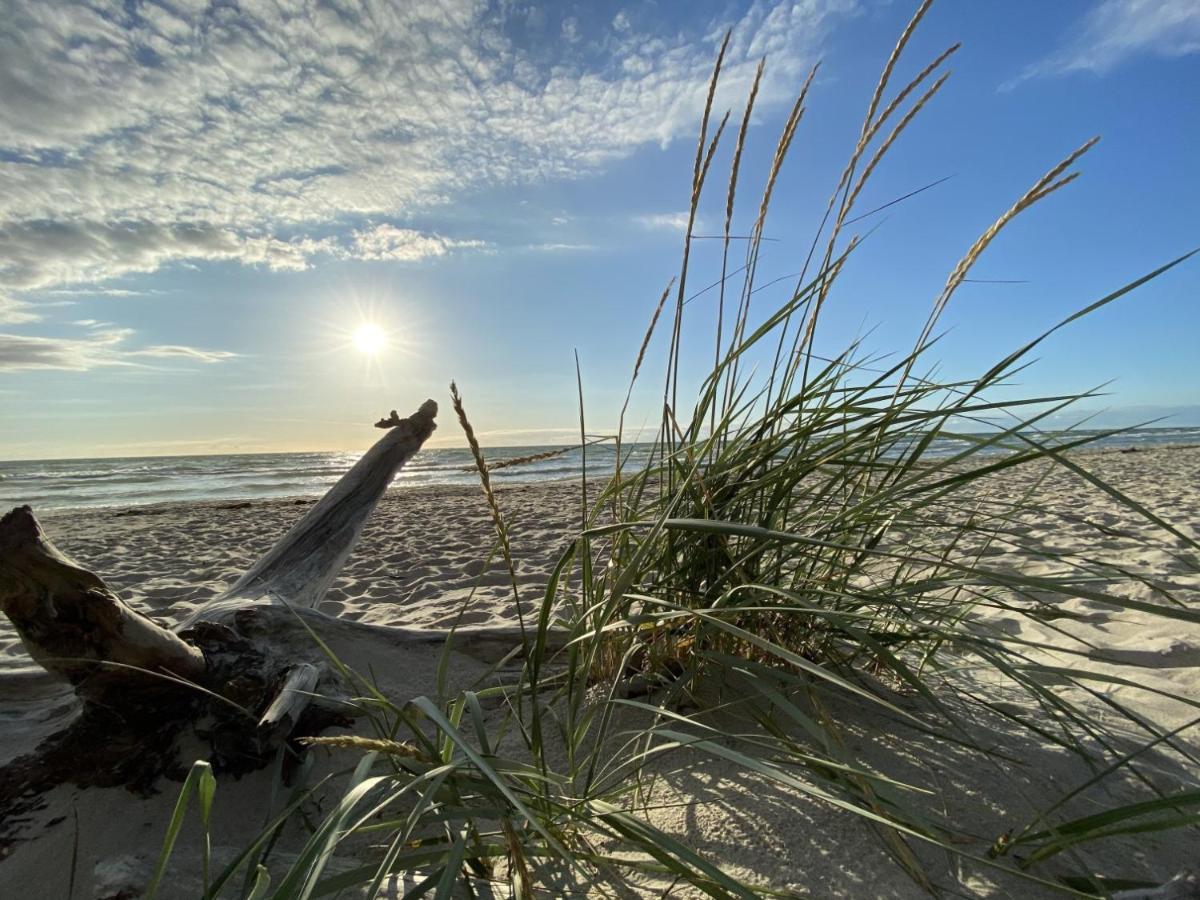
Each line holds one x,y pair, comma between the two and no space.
791,547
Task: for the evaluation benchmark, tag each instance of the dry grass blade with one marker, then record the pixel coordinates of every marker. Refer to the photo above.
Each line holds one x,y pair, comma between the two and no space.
870,125
637,367
641,356
366,745
891,139
712,147
908,89
781,152
489,493
730,195
806,340
781,149
701,168
1044,186
740,145
712,90
888,68
521,460
900,199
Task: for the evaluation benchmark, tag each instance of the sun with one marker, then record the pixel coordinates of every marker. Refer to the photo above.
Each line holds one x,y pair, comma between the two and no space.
369,338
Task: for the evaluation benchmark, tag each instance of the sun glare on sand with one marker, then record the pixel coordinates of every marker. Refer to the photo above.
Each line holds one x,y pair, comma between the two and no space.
369,338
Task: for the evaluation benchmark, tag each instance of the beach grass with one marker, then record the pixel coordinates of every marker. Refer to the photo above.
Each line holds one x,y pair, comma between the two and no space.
790,554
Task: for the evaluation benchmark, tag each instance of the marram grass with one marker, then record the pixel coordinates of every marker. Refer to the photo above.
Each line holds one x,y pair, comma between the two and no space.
791,550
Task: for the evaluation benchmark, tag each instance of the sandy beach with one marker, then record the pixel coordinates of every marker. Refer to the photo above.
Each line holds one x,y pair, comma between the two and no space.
422,562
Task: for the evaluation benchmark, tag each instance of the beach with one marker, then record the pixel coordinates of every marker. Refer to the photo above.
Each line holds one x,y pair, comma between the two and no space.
424,562
504,451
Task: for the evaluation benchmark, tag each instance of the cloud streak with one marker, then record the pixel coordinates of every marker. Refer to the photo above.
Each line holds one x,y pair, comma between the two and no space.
675,221
14,311
1117,30
43,253
100,347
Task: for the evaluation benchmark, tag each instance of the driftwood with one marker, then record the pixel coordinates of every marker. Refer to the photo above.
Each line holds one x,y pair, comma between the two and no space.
74,625
245,663
68,619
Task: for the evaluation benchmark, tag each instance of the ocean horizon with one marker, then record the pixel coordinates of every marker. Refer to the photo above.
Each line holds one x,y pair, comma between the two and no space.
142,480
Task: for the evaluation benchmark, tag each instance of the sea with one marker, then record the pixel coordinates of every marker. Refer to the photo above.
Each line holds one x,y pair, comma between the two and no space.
134,481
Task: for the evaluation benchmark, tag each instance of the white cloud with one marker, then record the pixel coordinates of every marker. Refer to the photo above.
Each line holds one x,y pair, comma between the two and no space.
674,221
166,351
389,242
35,256
559,247
101,292
41,254
14,311
100,347
1116,30
137,135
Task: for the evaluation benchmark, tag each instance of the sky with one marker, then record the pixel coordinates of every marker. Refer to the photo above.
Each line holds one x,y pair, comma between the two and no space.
202,203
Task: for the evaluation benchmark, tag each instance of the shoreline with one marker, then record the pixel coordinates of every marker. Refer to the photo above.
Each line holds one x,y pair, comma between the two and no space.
399,489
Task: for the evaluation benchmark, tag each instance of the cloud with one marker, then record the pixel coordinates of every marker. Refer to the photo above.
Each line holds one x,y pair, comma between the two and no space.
102,347
101,292
559,247
137,135
14,311
44,253
166,351
675,221
389,242
1117,30
34,256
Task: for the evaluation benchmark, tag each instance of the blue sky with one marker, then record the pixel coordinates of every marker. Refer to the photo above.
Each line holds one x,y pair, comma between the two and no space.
201,201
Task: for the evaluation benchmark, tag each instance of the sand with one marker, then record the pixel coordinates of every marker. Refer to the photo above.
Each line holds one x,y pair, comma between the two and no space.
422,562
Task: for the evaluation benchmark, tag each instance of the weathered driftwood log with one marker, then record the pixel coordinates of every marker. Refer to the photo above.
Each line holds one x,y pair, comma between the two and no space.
300,567
69,620
74,625
241,671
286,709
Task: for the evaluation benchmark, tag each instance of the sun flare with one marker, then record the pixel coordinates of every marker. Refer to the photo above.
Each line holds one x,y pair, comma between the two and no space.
369,338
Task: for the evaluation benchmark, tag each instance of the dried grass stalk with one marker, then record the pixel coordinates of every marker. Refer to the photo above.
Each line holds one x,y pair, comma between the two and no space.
493,506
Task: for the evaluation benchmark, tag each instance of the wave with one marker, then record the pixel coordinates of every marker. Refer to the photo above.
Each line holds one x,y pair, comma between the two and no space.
58,484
